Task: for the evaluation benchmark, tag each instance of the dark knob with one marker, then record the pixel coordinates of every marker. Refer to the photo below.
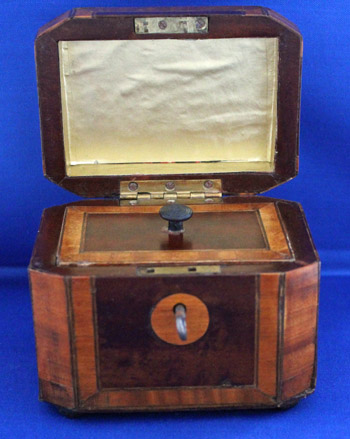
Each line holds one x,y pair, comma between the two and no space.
176,214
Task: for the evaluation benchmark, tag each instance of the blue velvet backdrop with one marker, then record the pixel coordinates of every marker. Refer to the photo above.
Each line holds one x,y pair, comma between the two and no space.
322,188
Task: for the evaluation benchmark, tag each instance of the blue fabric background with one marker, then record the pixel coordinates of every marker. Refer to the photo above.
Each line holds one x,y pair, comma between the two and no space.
322,187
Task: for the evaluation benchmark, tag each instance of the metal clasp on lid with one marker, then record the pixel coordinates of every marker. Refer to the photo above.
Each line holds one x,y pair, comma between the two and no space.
171,25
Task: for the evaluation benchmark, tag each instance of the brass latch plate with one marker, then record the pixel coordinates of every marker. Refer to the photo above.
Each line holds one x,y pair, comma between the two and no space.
171,25
164,191
177,270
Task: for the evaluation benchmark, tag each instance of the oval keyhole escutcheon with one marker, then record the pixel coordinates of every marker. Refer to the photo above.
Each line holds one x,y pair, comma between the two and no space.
163,318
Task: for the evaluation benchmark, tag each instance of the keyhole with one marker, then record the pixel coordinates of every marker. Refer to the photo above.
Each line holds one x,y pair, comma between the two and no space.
180,321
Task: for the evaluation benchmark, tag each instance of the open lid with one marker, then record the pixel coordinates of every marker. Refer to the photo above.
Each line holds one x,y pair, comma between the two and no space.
178,94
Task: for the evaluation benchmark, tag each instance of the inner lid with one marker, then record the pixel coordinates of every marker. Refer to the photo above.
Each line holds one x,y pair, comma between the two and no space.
238,232
169,106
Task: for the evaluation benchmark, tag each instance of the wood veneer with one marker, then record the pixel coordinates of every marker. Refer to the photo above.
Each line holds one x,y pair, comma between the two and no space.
281,369
50,308
207,239
92,304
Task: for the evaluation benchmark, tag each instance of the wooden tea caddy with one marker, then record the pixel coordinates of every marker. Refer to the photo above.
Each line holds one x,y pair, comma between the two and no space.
194,107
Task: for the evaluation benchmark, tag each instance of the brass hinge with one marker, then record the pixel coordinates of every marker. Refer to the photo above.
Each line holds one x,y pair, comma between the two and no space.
165,191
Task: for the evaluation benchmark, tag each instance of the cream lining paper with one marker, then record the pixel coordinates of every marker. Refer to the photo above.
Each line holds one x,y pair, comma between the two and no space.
130,107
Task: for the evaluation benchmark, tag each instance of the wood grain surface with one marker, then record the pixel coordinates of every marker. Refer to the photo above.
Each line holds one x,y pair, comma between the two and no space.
300,326
52,334
131,355
83,315
263,392
108,376
145,241
268,334
291,216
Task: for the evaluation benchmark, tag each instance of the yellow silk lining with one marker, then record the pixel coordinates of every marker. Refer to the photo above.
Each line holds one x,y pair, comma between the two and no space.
169,106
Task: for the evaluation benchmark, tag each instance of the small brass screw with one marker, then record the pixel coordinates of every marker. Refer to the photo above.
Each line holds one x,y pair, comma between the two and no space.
133,186
200,23
170,185
162,24
208,184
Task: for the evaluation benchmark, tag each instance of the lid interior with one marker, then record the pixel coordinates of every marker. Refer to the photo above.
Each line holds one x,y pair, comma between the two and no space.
117,105
169,106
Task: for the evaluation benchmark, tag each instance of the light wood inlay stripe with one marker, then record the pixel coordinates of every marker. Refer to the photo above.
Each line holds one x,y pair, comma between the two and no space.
269,291
84,336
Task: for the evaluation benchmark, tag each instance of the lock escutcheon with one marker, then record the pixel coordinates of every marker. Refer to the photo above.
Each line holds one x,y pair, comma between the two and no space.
174,313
